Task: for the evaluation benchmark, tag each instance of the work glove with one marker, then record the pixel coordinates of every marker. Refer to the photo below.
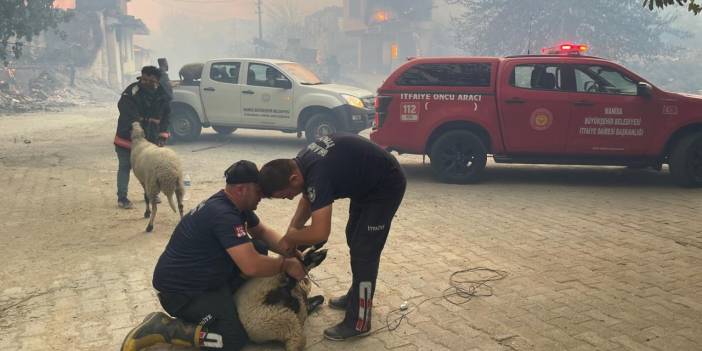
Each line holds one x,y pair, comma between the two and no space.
162,139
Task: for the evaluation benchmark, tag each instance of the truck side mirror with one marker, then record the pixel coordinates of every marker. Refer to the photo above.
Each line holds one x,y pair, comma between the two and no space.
283,84
643,89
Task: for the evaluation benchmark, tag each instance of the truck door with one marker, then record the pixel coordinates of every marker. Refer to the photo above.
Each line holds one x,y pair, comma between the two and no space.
220,94
534,108
608,118
267,97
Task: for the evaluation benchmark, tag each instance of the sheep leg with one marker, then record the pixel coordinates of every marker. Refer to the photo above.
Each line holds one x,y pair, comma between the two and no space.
179,197
147,213
296,340
150,227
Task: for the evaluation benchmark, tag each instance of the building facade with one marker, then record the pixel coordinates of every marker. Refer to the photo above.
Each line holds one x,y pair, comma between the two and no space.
386,32
101,40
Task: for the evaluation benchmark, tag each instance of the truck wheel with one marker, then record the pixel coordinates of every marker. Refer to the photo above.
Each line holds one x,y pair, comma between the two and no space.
185,126
223,130
319,125
458,157
686,161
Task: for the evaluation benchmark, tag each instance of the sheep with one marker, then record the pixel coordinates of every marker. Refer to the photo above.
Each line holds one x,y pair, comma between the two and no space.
158,169
275,308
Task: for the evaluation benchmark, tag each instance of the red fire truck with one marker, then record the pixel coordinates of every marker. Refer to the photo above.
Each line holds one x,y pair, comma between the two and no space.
560,107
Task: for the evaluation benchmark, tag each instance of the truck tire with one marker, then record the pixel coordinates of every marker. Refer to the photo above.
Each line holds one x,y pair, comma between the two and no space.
686,161
319,125
458,157
185,126
222,130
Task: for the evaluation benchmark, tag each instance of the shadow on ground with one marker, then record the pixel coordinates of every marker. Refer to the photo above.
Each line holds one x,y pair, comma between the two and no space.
557,176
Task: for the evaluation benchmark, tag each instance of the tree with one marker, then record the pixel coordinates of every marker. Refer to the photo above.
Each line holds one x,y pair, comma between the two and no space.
692,6
22,20
613,29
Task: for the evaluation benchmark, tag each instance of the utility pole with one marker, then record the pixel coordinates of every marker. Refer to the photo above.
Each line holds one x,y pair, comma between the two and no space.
260,27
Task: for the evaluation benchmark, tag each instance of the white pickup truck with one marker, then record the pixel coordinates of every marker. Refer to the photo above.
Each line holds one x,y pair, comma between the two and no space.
227,94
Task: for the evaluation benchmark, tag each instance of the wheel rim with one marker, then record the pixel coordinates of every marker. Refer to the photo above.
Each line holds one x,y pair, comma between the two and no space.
323,130
182,126
457,159
694,162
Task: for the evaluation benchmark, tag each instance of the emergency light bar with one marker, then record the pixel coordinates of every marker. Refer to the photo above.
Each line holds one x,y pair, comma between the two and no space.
565,49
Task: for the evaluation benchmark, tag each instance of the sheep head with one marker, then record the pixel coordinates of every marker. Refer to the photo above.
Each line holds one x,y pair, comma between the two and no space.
137,131
313,257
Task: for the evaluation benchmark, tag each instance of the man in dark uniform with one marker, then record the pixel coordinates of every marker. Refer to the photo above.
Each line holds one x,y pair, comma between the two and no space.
144,101
201,267
334,167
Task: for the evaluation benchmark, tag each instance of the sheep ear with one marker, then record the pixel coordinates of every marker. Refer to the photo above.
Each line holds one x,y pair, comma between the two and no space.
307,251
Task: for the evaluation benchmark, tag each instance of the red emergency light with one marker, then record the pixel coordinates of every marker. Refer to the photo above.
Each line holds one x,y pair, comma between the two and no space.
565,49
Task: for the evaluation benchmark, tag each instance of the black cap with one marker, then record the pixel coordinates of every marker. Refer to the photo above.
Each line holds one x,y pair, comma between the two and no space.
242,172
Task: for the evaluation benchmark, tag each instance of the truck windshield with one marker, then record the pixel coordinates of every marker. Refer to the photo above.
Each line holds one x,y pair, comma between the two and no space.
300,73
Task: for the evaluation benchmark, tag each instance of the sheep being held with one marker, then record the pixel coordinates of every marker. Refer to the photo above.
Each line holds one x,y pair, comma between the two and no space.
275,308
158,169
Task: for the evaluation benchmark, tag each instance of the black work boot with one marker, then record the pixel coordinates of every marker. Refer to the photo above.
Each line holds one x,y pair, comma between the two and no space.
342,331
159,328
339,303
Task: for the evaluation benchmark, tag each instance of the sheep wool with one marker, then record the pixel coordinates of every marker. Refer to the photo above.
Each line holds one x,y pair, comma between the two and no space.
158,169
275,308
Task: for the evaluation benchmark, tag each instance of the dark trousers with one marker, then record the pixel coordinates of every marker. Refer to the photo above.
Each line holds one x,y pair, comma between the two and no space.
215,310
366,233
123,169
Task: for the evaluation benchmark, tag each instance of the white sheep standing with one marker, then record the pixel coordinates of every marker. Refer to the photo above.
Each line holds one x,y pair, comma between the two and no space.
158,169
275,308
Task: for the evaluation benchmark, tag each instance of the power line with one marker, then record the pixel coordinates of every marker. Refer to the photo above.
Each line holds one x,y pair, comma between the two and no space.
260,26
260,23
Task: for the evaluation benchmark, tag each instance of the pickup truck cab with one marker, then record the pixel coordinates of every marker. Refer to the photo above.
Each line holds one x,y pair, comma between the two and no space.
264,94
555,108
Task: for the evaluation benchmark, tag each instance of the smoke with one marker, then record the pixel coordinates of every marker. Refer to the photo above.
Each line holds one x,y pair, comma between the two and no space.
186,31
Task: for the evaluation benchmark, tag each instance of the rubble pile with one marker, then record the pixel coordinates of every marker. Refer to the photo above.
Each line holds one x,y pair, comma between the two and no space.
14,102
50,92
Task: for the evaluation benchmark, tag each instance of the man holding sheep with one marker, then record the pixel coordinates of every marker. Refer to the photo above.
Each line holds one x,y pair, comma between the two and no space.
147,102
201,267
334,167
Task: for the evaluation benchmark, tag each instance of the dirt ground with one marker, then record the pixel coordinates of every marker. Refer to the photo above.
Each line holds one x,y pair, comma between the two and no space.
596,258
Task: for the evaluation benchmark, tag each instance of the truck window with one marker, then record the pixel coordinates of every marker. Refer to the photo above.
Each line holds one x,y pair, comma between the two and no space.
225,72
447,74
301,73
537,76
263,75
603,79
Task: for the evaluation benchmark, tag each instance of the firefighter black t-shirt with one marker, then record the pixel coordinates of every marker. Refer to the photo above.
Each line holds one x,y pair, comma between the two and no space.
347,166
195,259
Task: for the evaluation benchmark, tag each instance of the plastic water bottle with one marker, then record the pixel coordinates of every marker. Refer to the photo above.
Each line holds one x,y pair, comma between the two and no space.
187,182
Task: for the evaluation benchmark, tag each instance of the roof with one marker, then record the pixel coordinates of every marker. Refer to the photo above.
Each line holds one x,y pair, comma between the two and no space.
265,60
134,23
554,55
448,59
452,58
